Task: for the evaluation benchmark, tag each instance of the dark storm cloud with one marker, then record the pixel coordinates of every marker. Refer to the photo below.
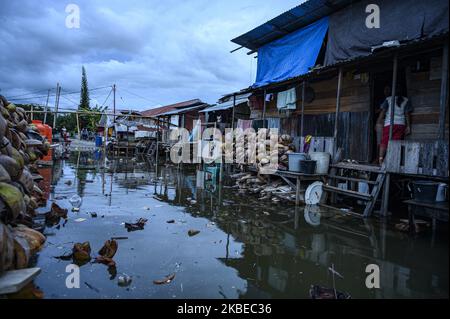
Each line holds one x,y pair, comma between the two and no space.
165,51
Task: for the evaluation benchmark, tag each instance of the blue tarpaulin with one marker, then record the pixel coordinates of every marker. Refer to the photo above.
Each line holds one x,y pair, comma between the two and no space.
291,55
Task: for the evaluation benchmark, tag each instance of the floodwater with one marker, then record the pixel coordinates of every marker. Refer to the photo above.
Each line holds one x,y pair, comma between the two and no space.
245,249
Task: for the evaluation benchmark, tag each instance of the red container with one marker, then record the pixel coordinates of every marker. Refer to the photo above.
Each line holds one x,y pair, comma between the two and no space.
45,131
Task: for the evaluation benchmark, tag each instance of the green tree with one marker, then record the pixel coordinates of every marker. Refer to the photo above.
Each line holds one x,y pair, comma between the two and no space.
84,94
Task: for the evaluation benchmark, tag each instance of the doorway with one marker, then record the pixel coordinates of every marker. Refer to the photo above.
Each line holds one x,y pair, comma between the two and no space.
381,89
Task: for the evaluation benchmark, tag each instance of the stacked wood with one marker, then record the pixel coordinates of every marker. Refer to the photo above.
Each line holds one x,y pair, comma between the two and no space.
20,147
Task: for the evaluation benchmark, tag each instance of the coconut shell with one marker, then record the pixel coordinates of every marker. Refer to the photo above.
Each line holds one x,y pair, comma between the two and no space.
11,166
3,125
22,126
34,238
32,143
13,198
19,159
11,107
6,248
6,147
4,112
26,180
22,252
82,252
4,175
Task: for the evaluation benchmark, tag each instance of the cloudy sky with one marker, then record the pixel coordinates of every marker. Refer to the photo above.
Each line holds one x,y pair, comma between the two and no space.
157,52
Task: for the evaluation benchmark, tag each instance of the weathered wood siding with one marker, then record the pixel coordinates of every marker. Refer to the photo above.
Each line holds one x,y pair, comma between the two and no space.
423,89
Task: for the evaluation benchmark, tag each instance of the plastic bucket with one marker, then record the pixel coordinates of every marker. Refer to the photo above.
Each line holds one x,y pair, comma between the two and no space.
323,161
425,190
307,166
98,141
294,161
441,195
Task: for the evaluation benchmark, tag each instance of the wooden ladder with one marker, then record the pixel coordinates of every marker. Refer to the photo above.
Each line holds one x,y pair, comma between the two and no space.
337,174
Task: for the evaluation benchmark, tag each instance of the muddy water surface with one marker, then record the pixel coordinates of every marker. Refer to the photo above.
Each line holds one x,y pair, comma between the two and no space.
245,249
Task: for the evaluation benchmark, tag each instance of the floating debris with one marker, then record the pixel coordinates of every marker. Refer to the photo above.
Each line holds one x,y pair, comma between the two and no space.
319,292
193,232
171,221
139,225
124,280
166,280
79,220
81,252
105,260
91,287
109,249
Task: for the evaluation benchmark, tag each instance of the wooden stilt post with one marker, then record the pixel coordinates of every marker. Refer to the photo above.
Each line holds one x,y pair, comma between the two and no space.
302,116
46,107
78,127
234,105
444,92
264,110
385,199
338,106
58,89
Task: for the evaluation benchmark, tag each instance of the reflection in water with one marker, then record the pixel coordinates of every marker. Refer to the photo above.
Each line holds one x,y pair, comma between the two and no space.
246,248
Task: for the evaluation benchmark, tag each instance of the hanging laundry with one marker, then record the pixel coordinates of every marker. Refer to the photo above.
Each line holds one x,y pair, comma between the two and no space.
286,100
269,97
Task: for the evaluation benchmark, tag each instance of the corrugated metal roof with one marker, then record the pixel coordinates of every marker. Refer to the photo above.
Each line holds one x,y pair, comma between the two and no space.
289,21
405,46
185,110
243,98
158,110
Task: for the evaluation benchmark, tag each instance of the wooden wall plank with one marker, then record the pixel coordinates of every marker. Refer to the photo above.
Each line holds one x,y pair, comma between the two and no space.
412,150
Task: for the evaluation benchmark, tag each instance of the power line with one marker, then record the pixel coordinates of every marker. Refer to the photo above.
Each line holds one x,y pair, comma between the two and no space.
68,93
139,96
106,100
30,93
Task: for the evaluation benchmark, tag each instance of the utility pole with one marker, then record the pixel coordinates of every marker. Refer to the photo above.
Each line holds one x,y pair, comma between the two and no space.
58,92
114,102
46,107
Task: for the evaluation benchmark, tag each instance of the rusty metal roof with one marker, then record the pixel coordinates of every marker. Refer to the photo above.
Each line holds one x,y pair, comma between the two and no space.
289,21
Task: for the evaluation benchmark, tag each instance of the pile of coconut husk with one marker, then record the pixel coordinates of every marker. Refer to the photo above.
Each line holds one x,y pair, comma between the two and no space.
257,184
21,146
262,150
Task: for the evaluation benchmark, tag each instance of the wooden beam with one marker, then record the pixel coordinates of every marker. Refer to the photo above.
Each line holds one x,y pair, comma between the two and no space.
303,114
338,106
385,200
264,109
444,92
234,106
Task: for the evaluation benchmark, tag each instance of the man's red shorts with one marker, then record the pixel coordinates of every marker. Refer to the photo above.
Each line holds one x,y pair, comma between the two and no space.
398,133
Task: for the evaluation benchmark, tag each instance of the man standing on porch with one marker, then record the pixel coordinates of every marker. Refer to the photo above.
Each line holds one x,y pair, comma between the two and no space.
402,121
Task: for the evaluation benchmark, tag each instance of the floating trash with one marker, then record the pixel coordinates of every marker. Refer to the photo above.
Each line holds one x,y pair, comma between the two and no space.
76,202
